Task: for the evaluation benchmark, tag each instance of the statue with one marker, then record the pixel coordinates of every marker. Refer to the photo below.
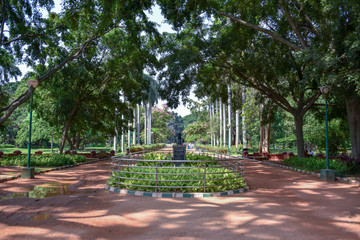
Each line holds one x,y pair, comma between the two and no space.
179,140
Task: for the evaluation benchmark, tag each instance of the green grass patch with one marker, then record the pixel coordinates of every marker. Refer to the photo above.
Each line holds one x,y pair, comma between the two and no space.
47,160
216,175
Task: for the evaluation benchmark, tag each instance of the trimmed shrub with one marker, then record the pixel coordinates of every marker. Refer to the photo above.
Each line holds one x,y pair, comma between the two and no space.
345,166
48,160
177,176
17,152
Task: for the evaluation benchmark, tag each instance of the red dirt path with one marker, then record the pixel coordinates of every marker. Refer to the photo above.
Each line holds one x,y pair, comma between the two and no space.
281,204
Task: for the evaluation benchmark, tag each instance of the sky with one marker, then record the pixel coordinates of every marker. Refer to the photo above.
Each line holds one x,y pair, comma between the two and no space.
157,17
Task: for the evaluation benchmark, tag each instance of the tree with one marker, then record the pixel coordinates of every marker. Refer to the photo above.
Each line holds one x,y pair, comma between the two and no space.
197,131
176,124
280,43
91,19
160,125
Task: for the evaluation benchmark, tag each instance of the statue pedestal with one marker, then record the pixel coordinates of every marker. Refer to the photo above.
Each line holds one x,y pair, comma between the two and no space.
179,152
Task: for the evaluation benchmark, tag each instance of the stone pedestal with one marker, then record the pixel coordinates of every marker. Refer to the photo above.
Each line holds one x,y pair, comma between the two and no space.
327,175
179,152
28,172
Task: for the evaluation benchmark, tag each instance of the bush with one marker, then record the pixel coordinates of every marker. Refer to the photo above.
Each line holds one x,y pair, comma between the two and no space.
49,160
236,150
342,166
177,176
136,149
352,165
223,150
6,146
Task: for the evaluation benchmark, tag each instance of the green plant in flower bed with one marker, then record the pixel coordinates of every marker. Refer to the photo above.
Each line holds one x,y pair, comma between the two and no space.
178,173
48,160
315,164
213,148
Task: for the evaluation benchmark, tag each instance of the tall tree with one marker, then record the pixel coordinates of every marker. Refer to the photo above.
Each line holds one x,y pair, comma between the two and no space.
41,37
281,42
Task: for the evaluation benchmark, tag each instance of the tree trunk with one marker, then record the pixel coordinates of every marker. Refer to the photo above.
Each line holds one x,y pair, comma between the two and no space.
299,122
78,141
220,122
134,126
216,121
138,124
115,143
229,114
122,136
116,132
261,141
149,123
237,129
264,143
68,139
224,124
67,126
145,124
212,123
122,126
210,117
243,118
243,93
353,113
129,134
52,142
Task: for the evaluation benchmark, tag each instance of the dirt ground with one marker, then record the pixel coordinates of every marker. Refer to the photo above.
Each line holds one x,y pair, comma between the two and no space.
281,204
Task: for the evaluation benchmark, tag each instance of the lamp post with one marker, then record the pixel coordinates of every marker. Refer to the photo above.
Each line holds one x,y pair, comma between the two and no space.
29,172
326,174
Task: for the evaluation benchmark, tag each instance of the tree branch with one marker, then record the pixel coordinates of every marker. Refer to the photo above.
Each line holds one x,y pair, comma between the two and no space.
12,106
259,85
310,102
260,29
26,35
3,20
307,19
293,25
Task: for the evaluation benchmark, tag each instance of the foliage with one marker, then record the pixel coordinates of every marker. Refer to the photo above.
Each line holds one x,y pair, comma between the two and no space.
190,176
314,131
155,146
46,160
343,166
284,49
213,148
151,147
41,131
352,165
197,131
188,119
159,125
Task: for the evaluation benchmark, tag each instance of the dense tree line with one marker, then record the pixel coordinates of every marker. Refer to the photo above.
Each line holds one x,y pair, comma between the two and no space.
258,59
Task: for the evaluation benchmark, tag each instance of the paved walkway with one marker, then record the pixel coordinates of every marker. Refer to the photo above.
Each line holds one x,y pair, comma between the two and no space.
281,204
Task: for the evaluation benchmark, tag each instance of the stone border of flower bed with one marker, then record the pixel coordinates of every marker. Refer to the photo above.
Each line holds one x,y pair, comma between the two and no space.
55,168
175,194
346,180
